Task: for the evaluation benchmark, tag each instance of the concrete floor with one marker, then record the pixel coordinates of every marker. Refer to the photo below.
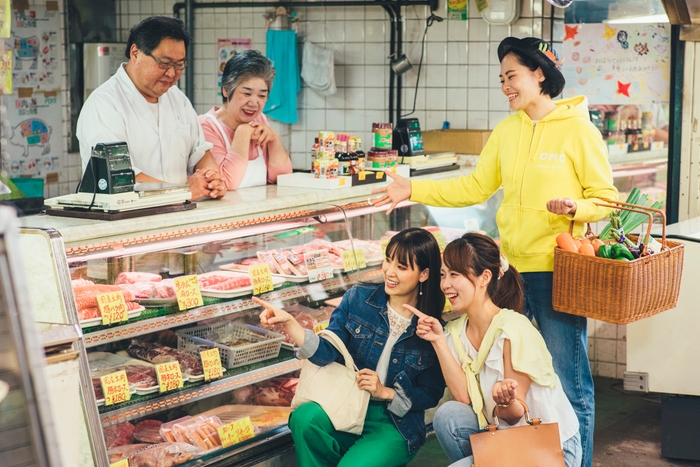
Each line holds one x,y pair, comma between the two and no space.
627,432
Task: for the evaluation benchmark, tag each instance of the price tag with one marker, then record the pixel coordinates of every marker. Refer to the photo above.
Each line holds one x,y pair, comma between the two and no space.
318,263
121,463
440,237
187,292
112,307
115,387
352,258
448,306
261,278
384,242
211,364
481,5
169,376
236,432
321,326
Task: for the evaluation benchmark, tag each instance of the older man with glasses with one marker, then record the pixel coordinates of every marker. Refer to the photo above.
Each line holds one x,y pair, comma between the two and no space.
141,105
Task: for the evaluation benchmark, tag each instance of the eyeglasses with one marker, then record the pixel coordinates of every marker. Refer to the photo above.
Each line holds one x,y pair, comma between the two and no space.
179,66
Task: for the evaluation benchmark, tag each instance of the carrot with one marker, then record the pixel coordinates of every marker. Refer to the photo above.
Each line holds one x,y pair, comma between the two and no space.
587,249
596,244
577,242
566,242
585,241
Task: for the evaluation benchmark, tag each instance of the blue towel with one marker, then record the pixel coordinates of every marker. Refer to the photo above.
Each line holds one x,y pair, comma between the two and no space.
282,50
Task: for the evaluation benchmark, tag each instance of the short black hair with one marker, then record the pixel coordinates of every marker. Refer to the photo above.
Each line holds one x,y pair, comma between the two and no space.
243,66
547,86
149,32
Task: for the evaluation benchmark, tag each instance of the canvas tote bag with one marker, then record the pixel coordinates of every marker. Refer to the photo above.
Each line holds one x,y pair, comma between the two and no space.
533,445
334,388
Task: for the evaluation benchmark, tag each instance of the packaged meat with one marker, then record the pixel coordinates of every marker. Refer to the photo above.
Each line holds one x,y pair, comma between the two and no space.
154,455
163,289
267,257
148,431
199,431
269,420
297,261
86,295
80,282
190,364
244,395
141,375
118,435
94,312
222,282
133,277
276,391
166,429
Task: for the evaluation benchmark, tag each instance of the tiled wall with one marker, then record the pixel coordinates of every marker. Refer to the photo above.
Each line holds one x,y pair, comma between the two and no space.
459,81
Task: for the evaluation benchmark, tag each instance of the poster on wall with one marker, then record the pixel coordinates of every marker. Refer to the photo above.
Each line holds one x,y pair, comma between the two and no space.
35,45
618,64
5,18
5,71
33,133
227,48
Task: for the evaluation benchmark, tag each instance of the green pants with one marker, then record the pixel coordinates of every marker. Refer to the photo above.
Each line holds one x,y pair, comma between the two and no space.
318,444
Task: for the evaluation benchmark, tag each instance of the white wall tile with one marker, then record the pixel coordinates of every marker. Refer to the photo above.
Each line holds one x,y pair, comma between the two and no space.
375,75
496,117
354,54
437,77
605,330
457,31
457,53
606,350
375,54
477,120
457,119
478,30
375,98
457,100
436,53
621,369
335,119
436,98
622,332
522,27
607,370
478,53
477,99
498,101
434,119
357,99
621,352
457,76
337,100
478,76
354,76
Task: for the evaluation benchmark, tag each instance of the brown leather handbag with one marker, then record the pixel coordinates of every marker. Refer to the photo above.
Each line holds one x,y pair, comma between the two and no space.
533,445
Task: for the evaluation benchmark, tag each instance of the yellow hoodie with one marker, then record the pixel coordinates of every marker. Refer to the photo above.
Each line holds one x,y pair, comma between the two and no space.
560,156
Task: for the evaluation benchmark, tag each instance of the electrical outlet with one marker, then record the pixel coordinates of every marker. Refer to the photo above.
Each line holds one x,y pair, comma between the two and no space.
636,381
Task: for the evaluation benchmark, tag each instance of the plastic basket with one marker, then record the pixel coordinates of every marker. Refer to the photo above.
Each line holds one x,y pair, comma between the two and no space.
618,292
265,344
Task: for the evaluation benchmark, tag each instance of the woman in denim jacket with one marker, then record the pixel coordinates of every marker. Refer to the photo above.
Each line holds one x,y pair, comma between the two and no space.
399,369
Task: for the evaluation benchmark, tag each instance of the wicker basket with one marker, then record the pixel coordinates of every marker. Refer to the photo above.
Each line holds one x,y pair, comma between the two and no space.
618,292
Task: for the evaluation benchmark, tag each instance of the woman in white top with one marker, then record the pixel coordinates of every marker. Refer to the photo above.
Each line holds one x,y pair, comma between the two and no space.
249,152
492,350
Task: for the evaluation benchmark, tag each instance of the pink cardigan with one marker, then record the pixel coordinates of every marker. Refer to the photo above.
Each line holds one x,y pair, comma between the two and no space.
231,164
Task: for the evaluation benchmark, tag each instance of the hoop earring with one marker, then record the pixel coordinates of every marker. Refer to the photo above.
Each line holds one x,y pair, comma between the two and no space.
420,288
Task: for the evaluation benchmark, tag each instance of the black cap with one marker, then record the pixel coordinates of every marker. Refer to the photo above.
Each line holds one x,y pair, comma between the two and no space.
541,53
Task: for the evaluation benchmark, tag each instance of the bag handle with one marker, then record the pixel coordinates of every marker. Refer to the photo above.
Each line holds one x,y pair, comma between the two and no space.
530,421
609,203
336,342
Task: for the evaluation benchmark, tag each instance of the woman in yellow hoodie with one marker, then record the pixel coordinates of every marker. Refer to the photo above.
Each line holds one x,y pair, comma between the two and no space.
552,163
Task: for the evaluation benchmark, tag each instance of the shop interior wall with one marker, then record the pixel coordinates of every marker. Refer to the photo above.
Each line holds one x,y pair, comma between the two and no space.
459,83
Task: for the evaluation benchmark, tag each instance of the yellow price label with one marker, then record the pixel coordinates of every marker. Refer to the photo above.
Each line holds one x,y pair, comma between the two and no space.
448,306
351,259
115,387
112,307
481,5
440,237
341,182
211,364
384,242
261,278
121,463
236,432
321,326
187,292
169,376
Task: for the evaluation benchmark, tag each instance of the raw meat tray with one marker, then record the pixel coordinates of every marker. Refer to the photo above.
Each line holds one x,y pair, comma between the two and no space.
87,323
239,292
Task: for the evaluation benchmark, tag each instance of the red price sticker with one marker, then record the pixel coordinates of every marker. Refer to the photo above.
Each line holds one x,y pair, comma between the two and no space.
353,259
121,463
320,326
211,364
318,263
261,278
236,432
187,292
112,307
115,387
169,376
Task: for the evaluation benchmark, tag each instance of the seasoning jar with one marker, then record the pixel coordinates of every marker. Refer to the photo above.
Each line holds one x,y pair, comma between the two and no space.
382,135
376,160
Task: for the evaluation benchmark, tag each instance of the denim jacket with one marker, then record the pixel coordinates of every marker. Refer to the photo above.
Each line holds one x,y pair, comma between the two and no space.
361,321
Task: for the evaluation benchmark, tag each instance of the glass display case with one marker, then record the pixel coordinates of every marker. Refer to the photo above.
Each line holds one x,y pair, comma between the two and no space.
310,251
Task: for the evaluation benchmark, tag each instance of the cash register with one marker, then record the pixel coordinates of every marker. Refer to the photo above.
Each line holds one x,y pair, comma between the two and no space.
109,185
407,139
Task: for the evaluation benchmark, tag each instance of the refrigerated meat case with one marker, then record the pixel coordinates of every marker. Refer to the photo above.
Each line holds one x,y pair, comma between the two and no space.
218,234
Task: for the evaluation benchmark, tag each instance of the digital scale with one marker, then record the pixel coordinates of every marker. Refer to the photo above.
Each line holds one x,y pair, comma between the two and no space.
109,185
407,139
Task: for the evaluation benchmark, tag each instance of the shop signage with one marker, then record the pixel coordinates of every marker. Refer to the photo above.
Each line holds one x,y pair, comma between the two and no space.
187,292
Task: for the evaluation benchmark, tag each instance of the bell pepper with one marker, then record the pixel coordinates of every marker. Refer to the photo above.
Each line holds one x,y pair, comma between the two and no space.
620,251
605,251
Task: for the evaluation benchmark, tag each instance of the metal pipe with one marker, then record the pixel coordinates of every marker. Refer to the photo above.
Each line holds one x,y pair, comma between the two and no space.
399,78
297,3
189,71
392,50
673,182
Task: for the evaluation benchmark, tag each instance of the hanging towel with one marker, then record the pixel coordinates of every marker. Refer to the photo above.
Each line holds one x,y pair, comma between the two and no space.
282,50
318,69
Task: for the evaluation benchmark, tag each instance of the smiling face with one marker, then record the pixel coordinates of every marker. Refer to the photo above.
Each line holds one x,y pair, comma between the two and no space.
461,290
402,280
520,84
149,78
248,100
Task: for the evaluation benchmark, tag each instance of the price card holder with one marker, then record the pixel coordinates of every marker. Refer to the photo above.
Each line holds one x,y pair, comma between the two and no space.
318,263
169,376
353,259
187,292
115,387
236,432
440,237
261,278
121,463
384,242
321,326
211,364
112,307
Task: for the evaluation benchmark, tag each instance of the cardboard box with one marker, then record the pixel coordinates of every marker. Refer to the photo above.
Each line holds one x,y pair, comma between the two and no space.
457,141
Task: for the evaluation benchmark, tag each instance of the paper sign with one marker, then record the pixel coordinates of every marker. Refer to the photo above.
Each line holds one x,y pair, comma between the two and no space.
384,243
457,9
115,387
6,72
121,463
440,237
236,432
211,364
481,5
352,258
321,326
187,292
261,278
112,307
169,376
318,263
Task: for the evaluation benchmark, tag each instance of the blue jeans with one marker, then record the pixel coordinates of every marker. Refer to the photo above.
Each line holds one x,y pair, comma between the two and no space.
455,421
566,337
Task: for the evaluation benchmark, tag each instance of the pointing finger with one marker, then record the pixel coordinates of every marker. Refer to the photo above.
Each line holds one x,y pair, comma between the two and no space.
415,311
